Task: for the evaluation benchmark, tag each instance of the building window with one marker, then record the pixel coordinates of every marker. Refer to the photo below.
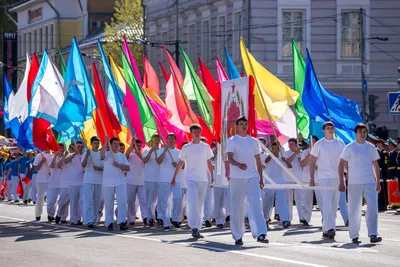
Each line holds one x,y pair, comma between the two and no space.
293,26
205,42
46,37
40,40
51,39
237,32
192,41
35,41
221,33
29,44
350,34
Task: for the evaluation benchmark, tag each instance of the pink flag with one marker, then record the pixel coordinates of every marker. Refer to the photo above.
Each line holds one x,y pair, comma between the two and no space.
221,72
150,77
131,59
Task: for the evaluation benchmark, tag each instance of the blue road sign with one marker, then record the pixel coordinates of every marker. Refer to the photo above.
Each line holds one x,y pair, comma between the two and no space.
394,103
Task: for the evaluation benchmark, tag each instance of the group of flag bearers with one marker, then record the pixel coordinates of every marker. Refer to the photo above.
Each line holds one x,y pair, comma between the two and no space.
154,180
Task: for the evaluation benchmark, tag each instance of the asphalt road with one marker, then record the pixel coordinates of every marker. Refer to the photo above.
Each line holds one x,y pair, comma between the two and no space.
24,242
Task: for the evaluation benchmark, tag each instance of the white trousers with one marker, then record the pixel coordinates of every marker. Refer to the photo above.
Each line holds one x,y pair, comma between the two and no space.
151,199
246,192
178,202
209,204
33,193
41,192
14,185
52,196
306,204
280,196
164,202
75,205
220,204
343,207
91,202
109,193
356,193
135,194
195,197
27,189
63,203
290,193
9,194
330,202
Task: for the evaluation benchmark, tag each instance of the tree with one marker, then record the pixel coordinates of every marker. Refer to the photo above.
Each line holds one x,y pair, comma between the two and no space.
128,21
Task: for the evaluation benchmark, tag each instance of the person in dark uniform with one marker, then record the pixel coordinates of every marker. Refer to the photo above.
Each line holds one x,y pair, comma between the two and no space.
392,165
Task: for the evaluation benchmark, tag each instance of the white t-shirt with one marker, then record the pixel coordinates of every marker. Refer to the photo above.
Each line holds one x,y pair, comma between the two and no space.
75,171
328,154
166,168
360,158
305,177
296,168
92,176
244,149
196,157
136,173
55,177
113,176
43,174
275,172
151,167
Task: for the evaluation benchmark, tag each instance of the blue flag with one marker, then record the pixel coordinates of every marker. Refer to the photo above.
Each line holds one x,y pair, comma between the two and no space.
322,105
346,135
8,92
115,96
232,71
79,100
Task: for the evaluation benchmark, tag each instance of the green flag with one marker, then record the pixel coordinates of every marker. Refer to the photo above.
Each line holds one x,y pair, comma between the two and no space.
299,71
146,114
195,90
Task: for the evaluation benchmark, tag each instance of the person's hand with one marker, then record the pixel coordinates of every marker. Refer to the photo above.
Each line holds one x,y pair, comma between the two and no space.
242,166
174,164
19,177
312,183
88,152
173,182
107,139
115,164
378,187
261,183
65,153
43,160
342,187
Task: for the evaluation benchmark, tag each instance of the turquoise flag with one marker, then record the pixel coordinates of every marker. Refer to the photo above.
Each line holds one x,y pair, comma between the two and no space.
79,100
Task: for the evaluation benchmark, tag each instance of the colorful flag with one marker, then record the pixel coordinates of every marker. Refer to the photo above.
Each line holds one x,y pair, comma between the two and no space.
220,70
47,92
299,71
150,77
146,115
132,62
79,101
214,89
115,95
8,96
180,112
106,121
232,71
320,103
164,72
63,68
195,90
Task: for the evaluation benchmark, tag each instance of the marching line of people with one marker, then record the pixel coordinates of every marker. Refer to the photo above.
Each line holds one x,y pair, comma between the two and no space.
169,184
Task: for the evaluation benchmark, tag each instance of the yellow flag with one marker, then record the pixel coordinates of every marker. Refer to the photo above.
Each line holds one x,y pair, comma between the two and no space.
273,94
89,130
118,74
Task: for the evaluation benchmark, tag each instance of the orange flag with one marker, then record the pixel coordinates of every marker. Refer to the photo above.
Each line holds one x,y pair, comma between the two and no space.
150,77
106,121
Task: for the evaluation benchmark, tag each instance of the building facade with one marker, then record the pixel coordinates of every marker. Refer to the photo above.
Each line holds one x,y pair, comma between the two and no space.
332,31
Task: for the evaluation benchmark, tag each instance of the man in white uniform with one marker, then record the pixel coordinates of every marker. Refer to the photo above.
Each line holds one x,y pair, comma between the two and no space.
75,184
42,180
63,202
209,201
115,164
135,182
53,189
169,156
364,182
293,155
276,173
92,183
246,182
151,177
307,196
196,156
325,154
178,199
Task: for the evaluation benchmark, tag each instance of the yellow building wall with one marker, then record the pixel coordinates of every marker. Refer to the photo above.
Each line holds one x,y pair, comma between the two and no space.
68,30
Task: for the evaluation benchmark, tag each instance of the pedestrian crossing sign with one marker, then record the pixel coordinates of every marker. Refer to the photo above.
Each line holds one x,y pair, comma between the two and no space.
394,103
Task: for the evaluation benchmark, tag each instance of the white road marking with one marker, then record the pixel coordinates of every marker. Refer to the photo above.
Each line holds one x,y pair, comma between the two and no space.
295,262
